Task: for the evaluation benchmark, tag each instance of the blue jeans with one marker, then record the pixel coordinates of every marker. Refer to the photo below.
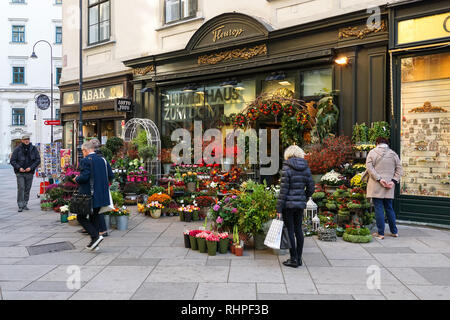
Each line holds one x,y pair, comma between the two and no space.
382,205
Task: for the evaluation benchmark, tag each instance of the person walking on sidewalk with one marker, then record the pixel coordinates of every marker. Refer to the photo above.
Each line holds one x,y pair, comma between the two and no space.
94,179
385,169
297,186
25,160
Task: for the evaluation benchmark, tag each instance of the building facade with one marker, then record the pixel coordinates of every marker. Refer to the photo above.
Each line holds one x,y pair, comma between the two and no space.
23,79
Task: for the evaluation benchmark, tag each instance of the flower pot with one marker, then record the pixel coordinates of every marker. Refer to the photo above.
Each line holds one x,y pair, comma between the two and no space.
46,209
195,216
258,240
188,216
331,189
223,246
63,218
201,245
167,167
122,223
113,221
239,251
212,248
74,223
187,241
358,154
193,241
191,186
363,154
156,214
107,221
232,248
317,177
181,215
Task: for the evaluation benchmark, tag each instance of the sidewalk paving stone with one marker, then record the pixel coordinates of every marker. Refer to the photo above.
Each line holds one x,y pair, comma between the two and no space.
226,291
13,252
184,262
413,260
88,295
165,291
13,285
135,262
36,295
271,288
347,275
355,263
431,292
259,274
437,276
409,276
50,286
367,297
397,292
272,296
59,258
62,273
189,274
358,289
24,272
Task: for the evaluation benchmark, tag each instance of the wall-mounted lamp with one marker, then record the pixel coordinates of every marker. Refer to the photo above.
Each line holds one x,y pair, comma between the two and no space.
342,61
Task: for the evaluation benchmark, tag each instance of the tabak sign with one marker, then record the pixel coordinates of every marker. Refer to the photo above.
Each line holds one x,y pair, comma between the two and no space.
94,95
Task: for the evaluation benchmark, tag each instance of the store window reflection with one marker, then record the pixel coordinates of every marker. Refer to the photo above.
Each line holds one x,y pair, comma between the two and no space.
90,130
314,82
68,135
280,84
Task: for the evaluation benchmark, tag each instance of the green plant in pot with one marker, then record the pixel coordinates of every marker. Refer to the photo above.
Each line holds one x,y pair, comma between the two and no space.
212,242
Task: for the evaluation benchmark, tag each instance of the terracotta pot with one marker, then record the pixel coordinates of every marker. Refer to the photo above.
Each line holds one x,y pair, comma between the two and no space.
232,248
239,251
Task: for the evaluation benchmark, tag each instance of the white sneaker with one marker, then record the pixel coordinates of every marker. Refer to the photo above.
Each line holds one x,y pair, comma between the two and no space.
95,244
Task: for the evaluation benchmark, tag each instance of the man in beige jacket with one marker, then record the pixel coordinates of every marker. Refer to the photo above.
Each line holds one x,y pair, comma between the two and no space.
385,169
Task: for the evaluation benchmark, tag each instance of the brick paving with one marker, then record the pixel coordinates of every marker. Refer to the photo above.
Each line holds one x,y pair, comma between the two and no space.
149,262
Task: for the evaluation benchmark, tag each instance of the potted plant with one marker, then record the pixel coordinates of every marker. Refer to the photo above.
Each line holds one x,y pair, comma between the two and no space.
190,178
193,239
211,242
332,180
201,241
122,216
357,234
155,209
224,241
64,214
47,205
187,242
235,239
205,203
166,160
73,220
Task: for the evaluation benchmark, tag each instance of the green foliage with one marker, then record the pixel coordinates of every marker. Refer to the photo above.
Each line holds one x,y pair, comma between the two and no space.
107,153
327,116
379,129
358,231
257,205
132,187
141,139
55,193
156,189
360,133
114,144
291,131
147,153
117,198
318,196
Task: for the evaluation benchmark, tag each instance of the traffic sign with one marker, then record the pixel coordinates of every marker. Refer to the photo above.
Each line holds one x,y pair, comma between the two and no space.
52,122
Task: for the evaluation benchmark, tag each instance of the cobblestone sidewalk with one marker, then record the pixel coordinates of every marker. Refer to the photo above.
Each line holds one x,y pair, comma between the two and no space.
149,261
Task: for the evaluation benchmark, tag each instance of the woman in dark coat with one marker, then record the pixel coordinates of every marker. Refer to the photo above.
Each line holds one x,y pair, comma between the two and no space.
297,186
94,179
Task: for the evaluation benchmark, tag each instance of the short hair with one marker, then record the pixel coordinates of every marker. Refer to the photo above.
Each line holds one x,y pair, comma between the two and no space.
96,143
381,140
294,152
89,146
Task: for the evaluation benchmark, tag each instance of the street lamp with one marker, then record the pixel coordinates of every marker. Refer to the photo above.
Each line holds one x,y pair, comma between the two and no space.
80,125
34,56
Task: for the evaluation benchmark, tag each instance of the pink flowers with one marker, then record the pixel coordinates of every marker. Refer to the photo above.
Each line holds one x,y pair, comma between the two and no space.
223,235
203,235
216,208
219,220
213,238
234,210
194,233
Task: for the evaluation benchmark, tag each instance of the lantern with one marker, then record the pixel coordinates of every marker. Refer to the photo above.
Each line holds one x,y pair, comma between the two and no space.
311,211
315,223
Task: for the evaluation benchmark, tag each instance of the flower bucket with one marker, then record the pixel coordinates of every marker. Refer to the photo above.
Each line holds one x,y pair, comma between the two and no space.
363,154
223,246
167,167
122,223
191,186
181,216
201,245
195,216
64,218
187,241
188,216
156,214
107,221
212,248
358,154
239,251
232,248
193,241
203,212
258,240
74,223
113,221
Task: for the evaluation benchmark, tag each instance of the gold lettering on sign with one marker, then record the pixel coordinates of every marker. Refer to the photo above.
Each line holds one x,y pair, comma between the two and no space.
220,33
245,53
90,108
360,34
143,71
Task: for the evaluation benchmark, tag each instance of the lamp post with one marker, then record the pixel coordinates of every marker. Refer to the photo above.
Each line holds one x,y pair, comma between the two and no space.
80,124
34,56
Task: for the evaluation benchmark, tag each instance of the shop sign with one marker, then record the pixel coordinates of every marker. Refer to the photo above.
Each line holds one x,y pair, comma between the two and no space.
187,113
424,29
94,95
124,105
224,32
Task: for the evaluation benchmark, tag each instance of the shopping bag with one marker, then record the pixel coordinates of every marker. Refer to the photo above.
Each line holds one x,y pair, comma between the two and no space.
285,241
109,207
273,238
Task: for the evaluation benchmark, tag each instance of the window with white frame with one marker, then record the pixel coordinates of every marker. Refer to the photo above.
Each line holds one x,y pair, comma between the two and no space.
99,21
176,10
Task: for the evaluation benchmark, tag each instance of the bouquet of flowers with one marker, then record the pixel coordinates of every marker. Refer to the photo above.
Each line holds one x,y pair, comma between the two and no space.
332,178
154,205
203,234
122,211
189,177
213,238
162,198
204,201
224,235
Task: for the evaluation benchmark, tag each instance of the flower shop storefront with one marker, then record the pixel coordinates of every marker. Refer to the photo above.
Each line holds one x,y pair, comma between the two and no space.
422,110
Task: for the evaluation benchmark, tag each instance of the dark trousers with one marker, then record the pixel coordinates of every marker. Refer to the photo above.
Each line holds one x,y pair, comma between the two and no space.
91,224
24,183
293,219
101,218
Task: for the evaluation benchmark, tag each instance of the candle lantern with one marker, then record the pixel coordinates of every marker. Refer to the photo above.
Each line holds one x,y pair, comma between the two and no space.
311,211
315,223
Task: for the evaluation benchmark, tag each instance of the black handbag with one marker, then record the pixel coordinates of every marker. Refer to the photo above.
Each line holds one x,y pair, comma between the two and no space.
81,204
285,241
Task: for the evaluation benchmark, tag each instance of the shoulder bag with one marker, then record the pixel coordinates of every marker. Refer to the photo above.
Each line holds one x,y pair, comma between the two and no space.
110,206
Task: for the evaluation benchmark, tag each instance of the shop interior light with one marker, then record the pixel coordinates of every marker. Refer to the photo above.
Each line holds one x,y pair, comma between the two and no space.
239,87
276,76
190,88
342,61
284,83
229,84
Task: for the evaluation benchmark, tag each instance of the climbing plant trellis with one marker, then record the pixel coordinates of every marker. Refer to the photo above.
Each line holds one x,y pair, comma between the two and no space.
131,130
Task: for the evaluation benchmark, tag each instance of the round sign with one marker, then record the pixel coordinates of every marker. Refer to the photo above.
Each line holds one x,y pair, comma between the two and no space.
43,102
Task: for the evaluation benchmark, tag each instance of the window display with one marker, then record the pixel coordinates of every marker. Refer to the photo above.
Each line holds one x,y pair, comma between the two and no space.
425,134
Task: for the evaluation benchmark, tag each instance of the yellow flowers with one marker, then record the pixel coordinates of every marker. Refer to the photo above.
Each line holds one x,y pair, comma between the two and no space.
141,208
357,181
364,147
72,218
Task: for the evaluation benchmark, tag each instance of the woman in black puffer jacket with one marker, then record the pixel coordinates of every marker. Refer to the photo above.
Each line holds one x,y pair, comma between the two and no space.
297,186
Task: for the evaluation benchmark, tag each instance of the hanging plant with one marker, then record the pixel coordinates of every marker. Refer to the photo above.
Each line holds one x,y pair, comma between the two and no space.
302,118
264,108
289,110
252,114
239,121
276,108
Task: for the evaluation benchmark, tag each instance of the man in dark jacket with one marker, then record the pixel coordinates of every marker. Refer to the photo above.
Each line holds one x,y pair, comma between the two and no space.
297,186
25,160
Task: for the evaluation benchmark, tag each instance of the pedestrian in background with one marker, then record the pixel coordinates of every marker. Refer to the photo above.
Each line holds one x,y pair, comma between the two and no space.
25,160
297,186
94,179
385,169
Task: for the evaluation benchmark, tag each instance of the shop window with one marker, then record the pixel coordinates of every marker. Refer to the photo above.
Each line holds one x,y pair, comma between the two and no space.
18,116
90,130
68,135
425,125
313,82
99,21
176,10
107,130
280,84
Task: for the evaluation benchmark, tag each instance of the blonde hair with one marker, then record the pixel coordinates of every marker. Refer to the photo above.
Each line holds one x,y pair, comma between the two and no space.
294,152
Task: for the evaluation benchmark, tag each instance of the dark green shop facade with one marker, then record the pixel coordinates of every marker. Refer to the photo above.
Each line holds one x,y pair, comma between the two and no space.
233,58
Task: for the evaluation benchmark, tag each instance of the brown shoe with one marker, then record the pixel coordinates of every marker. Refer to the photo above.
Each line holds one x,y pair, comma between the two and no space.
394,235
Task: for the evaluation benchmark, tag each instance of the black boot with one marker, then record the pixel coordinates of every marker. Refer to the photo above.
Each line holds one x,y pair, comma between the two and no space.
291,263
299,262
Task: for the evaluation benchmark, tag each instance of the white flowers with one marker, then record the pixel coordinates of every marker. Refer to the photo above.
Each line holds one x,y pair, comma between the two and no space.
64,209
331,177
